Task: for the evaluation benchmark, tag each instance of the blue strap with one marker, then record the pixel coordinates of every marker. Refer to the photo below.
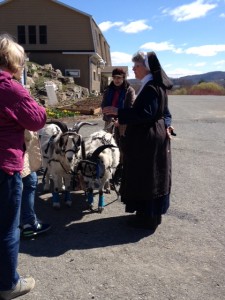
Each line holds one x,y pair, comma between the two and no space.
101,202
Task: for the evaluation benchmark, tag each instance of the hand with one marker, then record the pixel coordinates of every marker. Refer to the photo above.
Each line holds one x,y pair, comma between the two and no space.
170,132
116,123
110,110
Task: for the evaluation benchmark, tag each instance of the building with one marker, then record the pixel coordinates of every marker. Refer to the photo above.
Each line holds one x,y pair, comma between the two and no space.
54,33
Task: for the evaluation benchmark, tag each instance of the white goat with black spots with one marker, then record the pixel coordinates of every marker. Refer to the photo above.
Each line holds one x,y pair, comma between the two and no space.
61,152
102,159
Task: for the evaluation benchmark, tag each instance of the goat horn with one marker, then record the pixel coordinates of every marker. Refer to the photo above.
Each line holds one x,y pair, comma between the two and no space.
77,126
61,125
97,151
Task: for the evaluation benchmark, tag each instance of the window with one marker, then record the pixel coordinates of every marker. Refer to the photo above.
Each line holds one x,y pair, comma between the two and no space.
94,75
32,34
43,34
21,34
72,72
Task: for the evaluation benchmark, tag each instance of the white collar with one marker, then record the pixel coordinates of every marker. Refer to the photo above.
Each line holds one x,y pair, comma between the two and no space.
144,80
147,78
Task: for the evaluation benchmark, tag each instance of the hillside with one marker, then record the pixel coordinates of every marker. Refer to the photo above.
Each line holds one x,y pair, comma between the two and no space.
216,76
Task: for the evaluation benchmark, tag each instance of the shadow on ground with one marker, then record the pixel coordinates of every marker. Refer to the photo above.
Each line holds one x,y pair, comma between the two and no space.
69,231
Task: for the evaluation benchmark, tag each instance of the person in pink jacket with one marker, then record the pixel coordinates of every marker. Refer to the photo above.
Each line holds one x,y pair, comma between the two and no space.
18,111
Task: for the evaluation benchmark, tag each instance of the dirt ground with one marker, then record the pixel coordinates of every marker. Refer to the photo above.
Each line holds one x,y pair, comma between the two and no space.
97,256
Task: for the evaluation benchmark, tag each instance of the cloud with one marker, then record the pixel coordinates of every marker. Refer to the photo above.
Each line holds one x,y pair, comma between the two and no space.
180,72
163,46
200,64
219,62
194,10
135,27
119,58
206,50
222,15
132,27
104,26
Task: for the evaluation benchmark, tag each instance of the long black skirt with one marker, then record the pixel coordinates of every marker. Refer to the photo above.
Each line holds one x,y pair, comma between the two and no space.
152,207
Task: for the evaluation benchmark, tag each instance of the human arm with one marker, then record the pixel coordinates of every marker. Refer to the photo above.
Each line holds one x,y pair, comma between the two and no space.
168,121
143,111
129,97
24,109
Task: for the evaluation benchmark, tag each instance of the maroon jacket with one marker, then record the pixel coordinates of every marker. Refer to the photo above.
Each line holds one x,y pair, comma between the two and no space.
18,111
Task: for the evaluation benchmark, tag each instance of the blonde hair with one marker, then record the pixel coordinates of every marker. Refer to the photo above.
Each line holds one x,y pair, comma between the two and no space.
12,55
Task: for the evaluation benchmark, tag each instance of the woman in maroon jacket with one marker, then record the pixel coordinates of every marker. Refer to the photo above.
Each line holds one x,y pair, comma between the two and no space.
119,94
18,111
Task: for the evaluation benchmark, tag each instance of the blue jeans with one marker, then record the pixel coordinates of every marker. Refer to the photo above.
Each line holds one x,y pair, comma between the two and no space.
28,215
10,201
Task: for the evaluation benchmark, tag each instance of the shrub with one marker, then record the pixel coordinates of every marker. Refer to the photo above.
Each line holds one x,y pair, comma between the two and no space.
207,88
182,91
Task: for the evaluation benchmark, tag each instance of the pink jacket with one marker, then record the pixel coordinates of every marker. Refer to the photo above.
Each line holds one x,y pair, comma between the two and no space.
18,111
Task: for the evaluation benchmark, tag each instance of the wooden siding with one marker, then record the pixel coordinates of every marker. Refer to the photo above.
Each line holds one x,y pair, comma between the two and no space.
63,62
66,29
101,45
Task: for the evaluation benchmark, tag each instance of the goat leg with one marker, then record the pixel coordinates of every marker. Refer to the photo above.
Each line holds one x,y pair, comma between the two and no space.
101,202
68,198
90,198
55,200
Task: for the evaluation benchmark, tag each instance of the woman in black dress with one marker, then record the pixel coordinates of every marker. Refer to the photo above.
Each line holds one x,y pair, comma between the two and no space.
146,179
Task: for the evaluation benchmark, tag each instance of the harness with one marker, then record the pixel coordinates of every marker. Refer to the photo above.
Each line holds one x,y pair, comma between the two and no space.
76,148
62,151
89,168
56,160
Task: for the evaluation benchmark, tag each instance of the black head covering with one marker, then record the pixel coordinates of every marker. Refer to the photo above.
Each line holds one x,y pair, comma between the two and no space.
159,75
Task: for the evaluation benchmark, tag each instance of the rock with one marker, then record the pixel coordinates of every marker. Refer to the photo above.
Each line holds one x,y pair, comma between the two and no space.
68,93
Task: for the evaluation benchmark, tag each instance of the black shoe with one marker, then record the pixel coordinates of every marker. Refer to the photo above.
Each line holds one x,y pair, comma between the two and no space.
29,230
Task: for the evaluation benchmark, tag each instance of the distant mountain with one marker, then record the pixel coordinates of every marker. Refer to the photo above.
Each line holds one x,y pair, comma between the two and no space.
216,76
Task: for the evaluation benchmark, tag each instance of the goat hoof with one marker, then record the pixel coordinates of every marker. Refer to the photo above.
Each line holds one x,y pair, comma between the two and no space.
100,209
90,206
69,203
56,205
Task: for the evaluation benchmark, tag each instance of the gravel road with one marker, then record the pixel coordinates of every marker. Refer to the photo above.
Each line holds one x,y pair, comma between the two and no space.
96,256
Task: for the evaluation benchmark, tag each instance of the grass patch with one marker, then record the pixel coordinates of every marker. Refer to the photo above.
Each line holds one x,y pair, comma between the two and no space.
55,113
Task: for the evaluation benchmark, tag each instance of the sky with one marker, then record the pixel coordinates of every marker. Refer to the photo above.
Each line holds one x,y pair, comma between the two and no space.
188,36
